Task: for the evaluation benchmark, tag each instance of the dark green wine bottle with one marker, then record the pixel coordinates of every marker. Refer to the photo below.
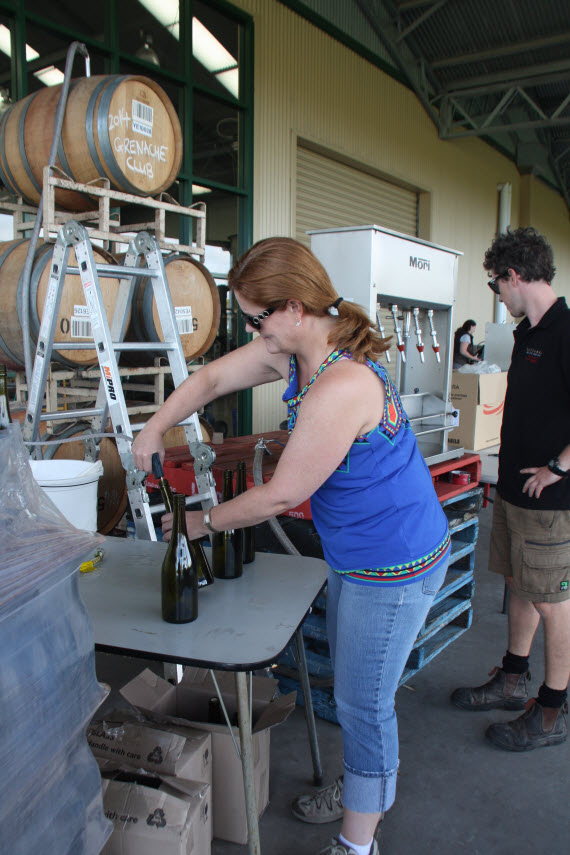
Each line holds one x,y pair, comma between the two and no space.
249,531
227,546
179,571
5,418
205,575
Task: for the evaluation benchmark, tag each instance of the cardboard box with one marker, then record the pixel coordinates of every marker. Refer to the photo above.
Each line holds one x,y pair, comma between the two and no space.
189,701
180,752
167,815
480,399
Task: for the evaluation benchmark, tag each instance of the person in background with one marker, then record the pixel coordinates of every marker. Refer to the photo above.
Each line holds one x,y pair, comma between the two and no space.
530,536
464,351
352,450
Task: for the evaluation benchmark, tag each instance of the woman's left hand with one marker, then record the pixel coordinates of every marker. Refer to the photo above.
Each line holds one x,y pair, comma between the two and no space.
194,525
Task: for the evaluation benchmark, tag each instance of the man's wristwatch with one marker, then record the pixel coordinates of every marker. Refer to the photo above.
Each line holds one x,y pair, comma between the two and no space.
554,466
208,524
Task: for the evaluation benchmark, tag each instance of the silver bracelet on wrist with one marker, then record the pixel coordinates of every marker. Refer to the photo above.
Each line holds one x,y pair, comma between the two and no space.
208,523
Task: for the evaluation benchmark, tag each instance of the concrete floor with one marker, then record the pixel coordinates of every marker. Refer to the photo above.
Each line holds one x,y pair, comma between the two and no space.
456,793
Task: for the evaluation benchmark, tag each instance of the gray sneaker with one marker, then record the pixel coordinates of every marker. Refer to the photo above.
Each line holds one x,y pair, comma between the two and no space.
336,848
321,806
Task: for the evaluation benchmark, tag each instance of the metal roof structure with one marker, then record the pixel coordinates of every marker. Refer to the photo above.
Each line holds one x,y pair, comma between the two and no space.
494,69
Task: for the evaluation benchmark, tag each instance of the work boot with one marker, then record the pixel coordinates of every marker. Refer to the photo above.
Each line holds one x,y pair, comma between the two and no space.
505,691
324,805
336,848
536,728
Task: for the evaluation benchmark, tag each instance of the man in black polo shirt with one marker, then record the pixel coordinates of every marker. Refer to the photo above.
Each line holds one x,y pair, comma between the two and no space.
530,536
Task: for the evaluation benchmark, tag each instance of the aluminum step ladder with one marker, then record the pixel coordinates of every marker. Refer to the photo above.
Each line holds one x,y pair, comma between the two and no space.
108,342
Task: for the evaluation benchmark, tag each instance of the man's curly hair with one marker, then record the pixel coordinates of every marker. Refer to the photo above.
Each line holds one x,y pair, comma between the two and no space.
526,251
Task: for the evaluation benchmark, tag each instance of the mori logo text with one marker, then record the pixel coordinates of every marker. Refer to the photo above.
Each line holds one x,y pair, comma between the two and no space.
419,263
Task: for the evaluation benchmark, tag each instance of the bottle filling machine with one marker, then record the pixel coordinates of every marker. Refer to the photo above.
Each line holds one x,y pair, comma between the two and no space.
407,286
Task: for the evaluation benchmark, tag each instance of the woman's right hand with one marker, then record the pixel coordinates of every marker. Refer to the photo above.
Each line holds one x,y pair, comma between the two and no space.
147,443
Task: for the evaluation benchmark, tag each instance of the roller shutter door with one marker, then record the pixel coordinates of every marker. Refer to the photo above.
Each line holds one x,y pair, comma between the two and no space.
331,194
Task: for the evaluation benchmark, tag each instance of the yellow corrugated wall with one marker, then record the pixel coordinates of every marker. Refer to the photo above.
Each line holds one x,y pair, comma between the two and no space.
309,86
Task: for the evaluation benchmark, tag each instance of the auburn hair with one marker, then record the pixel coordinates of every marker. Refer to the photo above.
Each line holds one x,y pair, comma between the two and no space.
278,269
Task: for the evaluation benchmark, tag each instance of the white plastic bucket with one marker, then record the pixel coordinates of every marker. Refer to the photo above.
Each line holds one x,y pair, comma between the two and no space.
72,487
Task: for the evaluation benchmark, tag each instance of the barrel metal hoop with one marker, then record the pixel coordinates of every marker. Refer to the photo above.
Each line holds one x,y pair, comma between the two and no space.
60,148
43,257
89,127
64,161
150,332
105,140
5,174
22,143
3,345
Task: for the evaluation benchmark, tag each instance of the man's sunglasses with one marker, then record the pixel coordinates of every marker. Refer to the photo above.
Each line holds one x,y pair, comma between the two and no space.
494,282
255,320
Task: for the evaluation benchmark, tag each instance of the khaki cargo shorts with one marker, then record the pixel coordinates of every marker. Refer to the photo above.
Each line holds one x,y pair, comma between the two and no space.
534,548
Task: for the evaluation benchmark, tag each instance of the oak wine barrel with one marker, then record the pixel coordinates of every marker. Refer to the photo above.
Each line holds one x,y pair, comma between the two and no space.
175,437
73,324
122,127
196,304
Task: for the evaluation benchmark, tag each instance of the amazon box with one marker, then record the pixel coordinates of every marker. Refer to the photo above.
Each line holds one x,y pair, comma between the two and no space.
187,704
480,399
156,814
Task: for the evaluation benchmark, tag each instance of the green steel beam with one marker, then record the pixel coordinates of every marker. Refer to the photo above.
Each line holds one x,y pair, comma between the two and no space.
245,204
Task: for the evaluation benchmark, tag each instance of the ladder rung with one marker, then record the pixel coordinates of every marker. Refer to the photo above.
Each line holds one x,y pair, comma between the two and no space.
143,345
190,500
117,345
114,270
66,415
73,345
136,427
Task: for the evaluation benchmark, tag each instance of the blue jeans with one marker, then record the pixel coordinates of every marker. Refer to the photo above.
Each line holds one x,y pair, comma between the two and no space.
371,632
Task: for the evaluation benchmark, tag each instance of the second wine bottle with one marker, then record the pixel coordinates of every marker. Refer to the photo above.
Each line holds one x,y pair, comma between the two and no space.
205,576
227,546
249,531
179,571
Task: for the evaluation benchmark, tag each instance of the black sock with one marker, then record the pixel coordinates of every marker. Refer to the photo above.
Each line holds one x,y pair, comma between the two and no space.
548,697
513,664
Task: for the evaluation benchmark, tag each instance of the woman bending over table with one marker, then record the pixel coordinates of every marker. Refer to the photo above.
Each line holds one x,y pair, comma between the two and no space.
352,451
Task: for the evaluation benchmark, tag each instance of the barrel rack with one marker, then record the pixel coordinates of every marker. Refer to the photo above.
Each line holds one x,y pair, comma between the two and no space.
104,223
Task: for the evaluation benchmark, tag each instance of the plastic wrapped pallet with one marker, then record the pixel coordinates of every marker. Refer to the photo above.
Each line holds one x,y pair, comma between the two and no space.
48,687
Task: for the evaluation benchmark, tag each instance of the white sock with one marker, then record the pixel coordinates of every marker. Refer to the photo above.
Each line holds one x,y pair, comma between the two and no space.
360,850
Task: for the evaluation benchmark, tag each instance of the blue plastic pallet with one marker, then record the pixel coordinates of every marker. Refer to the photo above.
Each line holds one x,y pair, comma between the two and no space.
437,642
324,704
449,617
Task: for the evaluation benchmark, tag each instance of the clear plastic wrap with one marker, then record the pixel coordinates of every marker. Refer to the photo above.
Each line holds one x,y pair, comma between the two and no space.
480,368
48,685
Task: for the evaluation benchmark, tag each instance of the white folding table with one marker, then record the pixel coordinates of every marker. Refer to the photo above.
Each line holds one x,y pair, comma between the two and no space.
243,624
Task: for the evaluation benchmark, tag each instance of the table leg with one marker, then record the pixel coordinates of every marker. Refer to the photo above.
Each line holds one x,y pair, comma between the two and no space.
247,763
309,712
173,673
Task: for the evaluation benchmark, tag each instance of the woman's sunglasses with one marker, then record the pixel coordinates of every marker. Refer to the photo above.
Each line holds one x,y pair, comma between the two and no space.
255,320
